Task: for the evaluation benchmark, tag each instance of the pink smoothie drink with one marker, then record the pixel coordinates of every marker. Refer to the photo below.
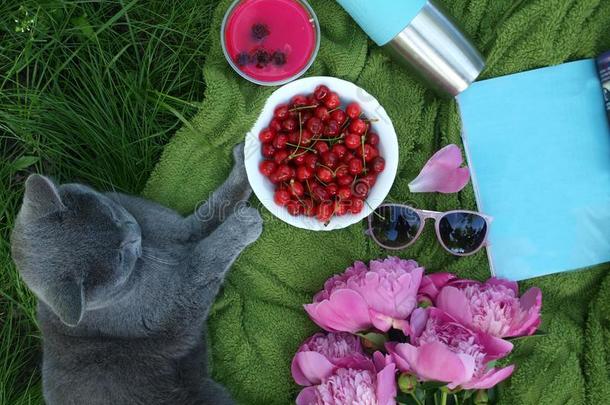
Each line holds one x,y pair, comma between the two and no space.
270,41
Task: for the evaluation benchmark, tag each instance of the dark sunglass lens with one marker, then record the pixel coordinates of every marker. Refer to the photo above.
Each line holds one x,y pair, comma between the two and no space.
395,227
462,232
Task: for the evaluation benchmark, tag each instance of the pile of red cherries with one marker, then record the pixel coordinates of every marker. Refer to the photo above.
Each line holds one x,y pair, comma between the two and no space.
323,159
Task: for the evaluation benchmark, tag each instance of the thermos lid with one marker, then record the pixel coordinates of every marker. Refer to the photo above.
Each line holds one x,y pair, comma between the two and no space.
382,20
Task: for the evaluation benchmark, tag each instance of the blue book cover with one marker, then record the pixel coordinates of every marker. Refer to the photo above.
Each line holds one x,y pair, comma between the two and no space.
538,145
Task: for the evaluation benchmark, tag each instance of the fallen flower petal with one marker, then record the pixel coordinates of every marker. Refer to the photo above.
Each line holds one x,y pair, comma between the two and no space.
442,173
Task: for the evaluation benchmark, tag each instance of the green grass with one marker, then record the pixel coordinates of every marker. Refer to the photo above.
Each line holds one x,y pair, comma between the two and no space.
89,91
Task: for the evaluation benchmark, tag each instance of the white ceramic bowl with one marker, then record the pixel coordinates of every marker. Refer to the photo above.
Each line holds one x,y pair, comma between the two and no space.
348,92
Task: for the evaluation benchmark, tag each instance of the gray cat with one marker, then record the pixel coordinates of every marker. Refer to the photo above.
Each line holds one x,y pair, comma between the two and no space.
124,288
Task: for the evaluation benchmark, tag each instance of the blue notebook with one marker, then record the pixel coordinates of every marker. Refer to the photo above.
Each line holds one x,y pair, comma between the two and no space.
538,145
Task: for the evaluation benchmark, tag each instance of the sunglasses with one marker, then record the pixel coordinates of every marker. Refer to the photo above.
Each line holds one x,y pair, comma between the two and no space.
397,226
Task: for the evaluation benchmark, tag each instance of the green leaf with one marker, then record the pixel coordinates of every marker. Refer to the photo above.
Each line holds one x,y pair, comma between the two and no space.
376,340
23,162
84,25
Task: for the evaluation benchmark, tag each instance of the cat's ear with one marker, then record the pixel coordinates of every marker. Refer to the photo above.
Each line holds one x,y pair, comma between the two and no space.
67,300
41,198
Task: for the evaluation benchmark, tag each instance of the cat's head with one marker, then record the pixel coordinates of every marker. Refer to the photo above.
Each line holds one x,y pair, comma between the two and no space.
74,247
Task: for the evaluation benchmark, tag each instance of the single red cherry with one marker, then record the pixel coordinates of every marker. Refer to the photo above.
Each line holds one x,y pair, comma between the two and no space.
321,113
348,156
311,160
267,167
289,124
266,135
360,189
332,101
325,211
344,192
345,180
308,208
305,116
281,111
356,166
370,179
338,115
378,164
324,174
320,92
329,159
275,125
280,156
281,197
299,159
353,110
319,192
332,189
298,101
369,152
331,128
296,188
314,125
372,139
273,178
342,170
304,173
306,137
356,205
321,147
339,150
352,141
293,137
357,126
294,208
340,208
267,150
280,141
284,172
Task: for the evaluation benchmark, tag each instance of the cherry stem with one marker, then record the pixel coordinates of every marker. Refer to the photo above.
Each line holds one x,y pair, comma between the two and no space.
305,107
302,147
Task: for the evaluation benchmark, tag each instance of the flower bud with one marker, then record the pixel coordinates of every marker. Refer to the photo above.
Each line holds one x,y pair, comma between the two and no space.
407,383
423,301
481,398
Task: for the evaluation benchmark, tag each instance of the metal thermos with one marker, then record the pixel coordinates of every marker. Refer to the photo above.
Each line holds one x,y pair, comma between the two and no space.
419,33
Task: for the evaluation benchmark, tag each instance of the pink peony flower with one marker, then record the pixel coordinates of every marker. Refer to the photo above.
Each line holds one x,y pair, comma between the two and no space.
382,295
442,173
441,349
431,285
320,356
370,383
493,307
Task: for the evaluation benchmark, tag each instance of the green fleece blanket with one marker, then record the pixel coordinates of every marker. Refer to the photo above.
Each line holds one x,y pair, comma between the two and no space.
258,321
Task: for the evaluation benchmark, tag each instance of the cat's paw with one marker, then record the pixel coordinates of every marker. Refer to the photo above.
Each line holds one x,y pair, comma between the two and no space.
251,223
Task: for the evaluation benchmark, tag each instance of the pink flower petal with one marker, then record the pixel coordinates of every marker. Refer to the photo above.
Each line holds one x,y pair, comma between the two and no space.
386,385
442,173
494,347
399,360
307,396
435,362
453,302
309,368
344,311
380,321
419,317
531,302
511,285
489,379
431,284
